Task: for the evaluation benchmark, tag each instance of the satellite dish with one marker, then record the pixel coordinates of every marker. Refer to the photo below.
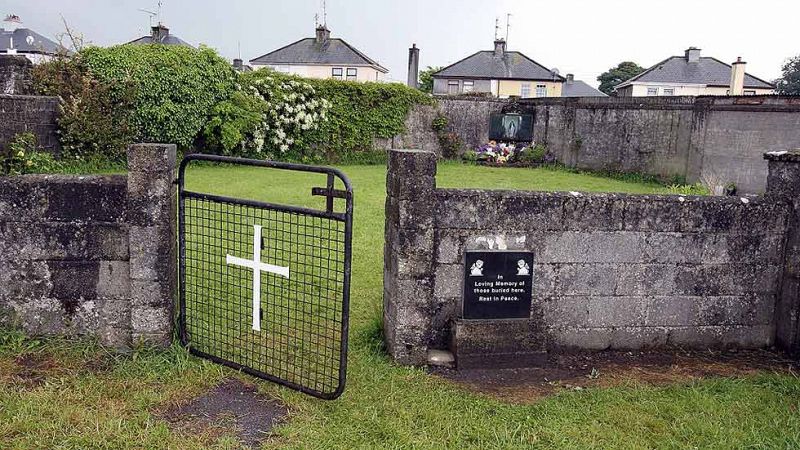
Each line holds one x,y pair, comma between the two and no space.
555,72
29,40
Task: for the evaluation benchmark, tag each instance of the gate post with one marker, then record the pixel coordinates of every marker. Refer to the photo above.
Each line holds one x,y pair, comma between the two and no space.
409,254
152,215
783,184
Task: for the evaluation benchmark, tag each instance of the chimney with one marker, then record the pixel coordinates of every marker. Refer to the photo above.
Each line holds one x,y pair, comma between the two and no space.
323,34
12,22
570,78
693,54
413,66
238,64
159,33
499,47
737,77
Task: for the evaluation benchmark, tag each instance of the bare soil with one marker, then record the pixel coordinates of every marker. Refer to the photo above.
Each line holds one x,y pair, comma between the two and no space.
579,371
232,407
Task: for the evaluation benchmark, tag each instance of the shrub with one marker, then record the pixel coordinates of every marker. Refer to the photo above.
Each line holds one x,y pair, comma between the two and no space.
177,87
94,118
530,155
349,115
21,156
232,123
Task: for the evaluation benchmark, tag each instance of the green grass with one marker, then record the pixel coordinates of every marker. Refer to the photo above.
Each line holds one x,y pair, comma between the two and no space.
384,406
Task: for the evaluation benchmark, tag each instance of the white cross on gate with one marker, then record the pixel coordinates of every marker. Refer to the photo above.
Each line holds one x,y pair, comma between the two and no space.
257,267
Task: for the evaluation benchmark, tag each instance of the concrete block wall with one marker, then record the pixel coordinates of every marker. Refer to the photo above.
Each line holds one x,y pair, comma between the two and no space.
721,138
15,75
29,113
611,271
91,255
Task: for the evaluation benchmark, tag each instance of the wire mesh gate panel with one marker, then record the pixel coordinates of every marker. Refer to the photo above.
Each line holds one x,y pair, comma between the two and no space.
265,287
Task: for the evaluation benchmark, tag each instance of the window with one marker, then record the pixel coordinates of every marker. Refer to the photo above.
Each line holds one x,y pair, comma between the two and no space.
652,91
669,91
452,87
749,92
336,73
468,86
541,90
352,73
525,90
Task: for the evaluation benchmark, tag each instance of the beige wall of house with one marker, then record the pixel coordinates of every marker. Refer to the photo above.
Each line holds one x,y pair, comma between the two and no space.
664,89
526,89
362,73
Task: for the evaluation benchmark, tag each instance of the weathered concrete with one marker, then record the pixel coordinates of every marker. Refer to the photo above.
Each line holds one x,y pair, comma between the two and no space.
15,75
710,138
25,113
91,255
611,271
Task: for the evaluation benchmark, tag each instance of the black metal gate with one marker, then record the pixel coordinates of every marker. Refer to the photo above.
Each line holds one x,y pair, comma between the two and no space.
265,287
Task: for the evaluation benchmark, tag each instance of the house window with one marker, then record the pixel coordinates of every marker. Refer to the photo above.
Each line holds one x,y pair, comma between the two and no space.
452,87
352,74
525,90
468,86
669,91
652,91
336,73
541,90
749,92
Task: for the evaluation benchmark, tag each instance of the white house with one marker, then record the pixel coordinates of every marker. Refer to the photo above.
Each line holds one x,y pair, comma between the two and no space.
693,74
322,57
15,39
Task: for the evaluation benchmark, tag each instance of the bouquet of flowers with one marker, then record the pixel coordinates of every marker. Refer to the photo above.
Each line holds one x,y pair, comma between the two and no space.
500,153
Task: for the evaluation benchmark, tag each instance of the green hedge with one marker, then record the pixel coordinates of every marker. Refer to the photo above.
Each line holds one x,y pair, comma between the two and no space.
176,87
357,113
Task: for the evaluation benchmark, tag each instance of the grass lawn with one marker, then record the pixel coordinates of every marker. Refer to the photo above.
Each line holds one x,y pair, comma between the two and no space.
77,395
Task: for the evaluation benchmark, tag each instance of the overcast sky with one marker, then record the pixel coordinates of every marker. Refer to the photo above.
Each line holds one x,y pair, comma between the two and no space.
584,37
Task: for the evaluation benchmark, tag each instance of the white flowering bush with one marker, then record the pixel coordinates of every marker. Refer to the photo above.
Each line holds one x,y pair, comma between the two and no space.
293,110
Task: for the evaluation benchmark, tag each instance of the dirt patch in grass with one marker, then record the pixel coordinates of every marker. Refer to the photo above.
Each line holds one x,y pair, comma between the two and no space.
31,370
232,407
613,368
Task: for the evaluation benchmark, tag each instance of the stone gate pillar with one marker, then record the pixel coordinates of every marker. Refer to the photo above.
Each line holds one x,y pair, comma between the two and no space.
152,215
409,254
783,184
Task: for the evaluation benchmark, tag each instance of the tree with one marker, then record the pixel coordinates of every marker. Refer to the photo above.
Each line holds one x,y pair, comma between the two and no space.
789,82
616,75
426,79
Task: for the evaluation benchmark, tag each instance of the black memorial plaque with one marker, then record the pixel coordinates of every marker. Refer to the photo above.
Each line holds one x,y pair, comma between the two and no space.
511,127
498,285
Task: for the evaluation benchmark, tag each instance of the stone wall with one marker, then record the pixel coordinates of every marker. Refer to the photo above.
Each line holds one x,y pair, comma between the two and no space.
715,138
91,255
15,75
34,114
611,271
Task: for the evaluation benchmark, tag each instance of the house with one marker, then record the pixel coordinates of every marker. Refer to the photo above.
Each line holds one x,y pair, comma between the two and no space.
322,57
159,34
577,88
499,72
15,39
693,74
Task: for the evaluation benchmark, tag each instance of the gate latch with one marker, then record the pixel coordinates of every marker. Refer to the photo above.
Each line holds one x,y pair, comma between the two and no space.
329,192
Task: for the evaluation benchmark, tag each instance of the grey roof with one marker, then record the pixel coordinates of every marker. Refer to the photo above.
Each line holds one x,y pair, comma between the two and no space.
169,39
709,71
484,64
309,51
578,88
27,41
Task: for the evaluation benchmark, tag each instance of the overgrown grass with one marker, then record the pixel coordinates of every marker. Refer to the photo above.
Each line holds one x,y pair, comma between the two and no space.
113,404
